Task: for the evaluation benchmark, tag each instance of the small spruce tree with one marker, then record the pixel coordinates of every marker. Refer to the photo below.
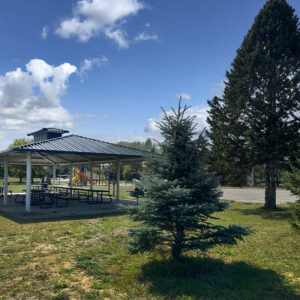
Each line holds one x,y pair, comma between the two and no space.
180,196
291,180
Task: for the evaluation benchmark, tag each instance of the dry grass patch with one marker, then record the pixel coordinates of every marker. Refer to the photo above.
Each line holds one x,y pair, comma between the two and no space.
88,259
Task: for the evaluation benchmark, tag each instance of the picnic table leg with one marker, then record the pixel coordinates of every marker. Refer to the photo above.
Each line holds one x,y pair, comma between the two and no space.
22,197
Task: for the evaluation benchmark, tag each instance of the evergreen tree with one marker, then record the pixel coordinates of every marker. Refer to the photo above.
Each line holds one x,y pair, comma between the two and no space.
224,157
291,179
180,196
262,97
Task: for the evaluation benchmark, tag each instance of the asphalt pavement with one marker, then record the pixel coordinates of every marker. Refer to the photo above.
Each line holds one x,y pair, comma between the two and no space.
256,195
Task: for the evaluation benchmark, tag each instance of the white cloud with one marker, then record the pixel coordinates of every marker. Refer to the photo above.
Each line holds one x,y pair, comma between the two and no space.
199,111
119,36
151,125
145,36
80,116
44,32
88,64
147,25
185,96
93,17
31,99
218,88
201,114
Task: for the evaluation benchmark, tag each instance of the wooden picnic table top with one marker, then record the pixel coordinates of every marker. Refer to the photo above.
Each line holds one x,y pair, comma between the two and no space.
33,190
80,189
68,188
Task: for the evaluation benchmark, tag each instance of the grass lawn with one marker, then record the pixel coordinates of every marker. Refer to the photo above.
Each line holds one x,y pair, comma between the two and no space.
16,187
87,258
14,184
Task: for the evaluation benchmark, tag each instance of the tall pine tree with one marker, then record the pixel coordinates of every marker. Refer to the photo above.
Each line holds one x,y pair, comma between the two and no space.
180,196
262,97
224,157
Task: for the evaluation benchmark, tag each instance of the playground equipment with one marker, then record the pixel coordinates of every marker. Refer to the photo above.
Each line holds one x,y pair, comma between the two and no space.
78,175
103,180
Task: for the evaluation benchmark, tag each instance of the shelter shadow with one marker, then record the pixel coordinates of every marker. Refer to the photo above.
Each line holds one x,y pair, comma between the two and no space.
60,218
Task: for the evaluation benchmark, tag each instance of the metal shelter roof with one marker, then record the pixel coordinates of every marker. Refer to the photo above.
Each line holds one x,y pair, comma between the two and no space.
72,149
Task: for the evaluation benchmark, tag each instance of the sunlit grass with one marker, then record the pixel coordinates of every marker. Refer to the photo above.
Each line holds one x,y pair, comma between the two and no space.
87,258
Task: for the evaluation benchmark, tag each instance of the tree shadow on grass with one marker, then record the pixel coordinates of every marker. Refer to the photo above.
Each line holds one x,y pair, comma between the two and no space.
280,213
206,278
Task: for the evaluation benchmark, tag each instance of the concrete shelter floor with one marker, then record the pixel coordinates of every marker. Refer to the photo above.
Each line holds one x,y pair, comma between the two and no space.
75,208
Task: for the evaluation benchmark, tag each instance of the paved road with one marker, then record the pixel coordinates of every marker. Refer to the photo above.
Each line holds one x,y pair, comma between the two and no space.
254,195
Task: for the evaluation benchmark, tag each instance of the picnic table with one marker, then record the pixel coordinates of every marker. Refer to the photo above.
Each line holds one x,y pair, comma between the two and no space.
82,194
37,196
61,195
99,196
2,191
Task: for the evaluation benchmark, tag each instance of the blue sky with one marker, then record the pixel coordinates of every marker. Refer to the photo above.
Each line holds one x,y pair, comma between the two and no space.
103,68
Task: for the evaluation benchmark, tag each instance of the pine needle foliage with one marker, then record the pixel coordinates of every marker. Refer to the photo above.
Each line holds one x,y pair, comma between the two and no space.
181,197
227,157
291,181
261,100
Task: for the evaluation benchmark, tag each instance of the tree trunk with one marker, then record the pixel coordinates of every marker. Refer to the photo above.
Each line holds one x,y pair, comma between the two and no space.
176,252
177,246
270,191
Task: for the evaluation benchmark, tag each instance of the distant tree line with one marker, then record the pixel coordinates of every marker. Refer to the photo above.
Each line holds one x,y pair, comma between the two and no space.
20,171
133,171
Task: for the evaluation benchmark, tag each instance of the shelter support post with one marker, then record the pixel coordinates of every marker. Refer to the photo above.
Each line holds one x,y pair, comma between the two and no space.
118,180
92,175
28,183
54,174
71,176
5,191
